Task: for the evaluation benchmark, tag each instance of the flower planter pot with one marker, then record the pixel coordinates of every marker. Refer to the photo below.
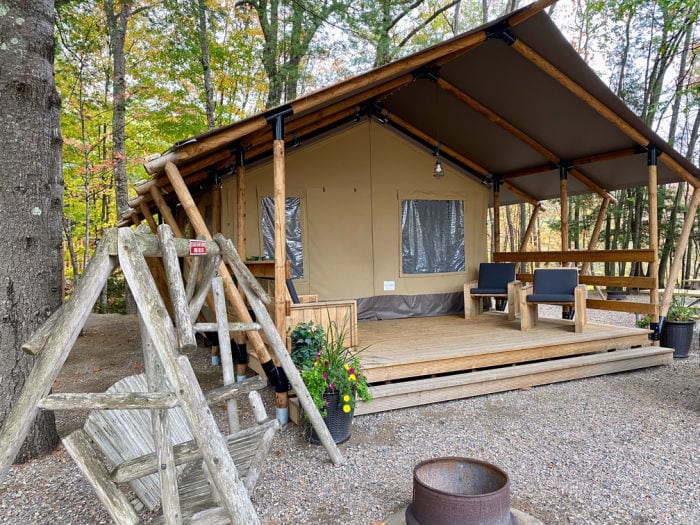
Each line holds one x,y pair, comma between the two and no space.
339,423
678,335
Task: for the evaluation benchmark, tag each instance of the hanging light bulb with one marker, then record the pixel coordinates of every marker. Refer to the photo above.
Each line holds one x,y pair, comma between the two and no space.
437,170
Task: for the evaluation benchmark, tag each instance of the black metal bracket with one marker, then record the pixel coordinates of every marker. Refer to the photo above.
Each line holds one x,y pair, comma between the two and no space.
496,181
276,119
653,155
501,31
655,328
564,168
427,72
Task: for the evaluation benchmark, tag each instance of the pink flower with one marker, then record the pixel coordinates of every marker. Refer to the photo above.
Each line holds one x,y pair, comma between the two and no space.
351,371
326,364
325,375
332,386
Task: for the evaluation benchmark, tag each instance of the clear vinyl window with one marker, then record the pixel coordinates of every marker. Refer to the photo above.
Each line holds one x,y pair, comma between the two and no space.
432,236
295,252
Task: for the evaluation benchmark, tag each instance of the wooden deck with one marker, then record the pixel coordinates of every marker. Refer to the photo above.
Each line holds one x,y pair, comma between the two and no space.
411,362
404,348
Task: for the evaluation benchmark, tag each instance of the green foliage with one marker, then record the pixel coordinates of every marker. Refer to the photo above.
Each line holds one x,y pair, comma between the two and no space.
677,311
307,341
116,296
332,367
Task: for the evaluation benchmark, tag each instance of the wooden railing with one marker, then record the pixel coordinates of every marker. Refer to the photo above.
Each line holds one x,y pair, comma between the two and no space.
590,256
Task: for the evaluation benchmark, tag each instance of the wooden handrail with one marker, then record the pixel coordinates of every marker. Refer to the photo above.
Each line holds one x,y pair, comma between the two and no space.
644,283
644,255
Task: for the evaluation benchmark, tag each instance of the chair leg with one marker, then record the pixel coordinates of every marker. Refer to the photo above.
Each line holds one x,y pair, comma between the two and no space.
528,311
513,299
579,308
472,305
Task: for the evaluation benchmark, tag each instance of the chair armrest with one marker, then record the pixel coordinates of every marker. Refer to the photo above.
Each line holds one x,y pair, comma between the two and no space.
469,285
523,293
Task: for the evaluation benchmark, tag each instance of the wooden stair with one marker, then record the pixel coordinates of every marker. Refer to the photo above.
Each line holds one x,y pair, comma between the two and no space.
467,384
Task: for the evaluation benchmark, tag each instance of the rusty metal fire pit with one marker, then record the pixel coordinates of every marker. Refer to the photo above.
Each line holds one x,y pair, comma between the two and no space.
459,491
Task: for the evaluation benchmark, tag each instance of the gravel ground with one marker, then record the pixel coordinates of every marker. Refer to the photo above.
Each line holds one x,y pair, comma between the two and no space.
618,449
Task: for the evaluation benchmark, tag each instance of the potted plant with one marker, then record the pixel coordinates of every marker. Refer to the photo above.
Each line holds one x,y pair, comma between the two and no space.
677,329
332,373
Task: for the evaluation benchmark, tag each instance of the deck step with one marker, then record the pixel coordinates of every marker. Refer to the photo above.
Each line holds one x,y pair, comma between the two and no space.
457,386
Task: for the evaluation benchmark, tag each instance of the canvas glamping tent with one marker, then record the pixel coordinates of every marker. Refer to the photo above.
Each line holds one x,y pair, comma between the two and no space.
509,109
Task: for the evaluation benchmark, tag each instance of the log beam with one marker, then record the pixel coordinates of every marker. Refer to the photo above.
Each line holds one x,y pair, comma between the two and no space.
516,132
604,111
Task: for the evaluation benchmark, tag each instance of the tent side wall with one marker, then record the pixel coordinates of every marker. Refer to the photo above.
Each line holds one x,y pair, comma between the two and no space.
351,184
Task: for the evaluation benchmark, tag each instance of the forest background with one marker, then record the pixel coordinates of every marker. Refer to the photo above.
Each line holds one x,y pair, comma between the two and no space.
136,76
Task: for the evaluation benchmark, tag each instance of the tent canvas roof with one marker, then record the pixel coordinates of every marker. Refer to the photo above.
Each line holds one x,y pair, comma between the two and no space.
525,125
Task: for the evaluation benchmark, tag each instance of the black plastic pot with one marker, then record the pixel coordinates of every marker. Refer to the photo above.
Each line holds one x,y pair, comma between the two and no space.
678,335
339,423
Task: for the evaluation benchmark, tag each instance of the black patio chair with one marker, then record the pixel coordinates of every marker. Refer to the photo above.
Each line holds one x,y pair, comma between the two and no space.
553,286
495,280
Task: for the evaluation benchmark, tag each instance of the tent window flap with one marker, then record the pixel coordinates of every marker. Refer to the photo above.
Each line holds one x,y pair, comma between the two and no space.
293,230
432,236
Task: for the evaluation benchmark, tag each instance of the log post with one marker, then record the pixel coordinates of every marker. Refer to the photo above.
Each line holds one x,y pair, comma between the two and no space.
530,228
564,199
241,239
155,378
280,198
57,346
680,249
496,215
595,235
177,368
164,210
148,216
652,159
200,227
241,207
225,349
176,289
216,204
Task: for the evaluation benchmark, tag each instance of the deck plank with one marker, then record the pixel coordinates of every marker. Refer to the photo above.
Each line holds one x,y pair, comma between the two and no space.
401,348
416,361
458,386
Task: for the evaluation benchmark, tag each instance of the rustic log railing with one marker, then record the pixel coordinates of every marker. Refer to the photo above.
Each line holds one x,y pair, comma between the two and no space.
590,256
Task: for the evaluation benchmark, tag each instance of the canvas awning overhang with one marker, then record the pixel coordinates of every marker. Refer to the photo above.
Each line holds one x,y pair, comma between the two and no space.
510,100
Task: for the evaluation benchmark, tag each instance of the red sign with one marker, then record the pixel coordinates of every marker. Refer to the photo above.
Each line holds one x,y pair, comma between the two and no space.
198,247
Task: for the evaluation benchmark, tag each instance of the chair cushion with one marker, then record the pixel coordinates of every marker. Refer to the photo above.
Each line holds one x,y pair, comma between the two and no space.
496,275
555,281
488,291
550,298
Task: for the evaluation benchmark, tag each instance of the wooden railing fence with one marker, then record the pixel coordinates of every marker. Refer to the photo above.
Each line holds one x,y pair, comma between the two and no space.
583,259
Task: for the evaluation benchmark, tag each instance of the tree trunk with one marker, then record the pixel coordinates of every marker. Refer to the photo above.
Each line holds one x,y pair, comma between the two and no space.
117,23
31,200
206,64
